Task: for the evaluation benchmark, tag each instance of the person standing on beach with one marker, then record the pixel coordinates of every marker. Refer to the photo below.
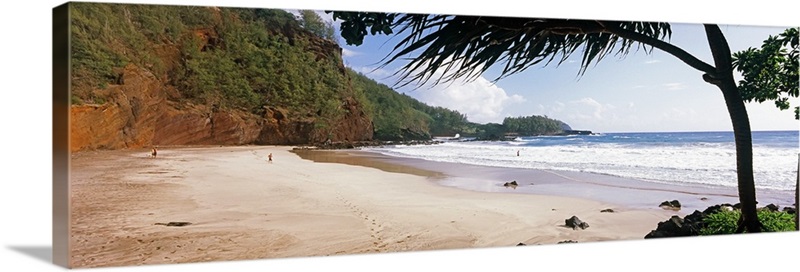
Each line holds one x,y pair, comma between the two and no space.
517,153
154,152
270,157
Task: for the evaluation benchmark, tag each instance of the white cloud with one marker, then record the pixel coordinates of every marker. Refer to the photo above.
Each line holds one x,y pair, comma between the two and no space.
585,113
374,72
325,17
480,100
652,61
675,86
559,107
589,107
322,15
677,114
349,53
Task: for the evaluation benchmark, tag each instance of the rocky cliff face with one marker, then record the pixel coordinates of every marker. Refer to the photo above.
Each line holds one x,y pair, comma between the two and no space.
128,119
138,114
216,77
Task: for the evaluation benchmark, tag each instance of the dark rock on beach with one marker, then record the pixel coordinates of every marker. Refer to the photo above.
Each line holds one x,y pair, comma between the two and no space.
521,244
174,224
607,211
568,242
772,207
512,184
574,222
738,206
670,205
674,227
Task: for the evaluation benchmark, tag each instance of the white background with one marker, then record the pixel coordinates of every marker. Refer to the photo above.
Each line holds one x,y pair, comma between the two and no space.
26,129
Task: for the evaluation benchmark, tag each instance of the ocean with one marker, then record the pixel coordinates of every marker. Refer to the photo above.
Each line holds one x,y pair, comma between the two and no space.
675,158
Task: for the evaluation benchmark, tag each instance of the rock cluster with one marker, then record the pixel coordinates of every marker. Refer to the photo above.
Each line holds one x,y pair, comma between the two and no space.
691,224
574,222
671,205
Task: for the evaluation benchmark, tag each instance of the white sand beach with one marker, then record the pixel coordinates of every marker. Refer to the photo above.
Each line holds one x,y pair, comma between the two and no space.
240,207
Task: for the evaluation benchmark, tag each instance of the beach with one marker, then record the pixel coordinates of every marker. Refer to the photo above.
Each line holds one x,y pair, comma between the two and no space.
195,204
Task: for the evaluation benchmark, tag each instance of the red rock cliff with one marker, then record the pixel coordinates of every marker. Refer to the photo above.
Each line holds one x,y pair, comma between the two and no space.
138,114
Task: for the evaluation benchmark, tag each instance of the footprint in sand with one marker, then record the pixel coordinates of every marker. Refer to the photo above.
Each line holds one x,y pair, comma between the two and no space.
375,228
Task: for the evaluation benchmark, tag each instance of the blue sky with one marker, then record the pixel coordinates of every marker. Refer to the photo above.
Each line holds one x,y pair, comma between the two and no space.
637,92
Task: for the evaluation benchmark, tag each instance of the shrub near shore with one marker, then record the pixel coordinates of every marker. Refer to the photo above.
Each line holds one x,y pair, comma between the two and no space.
723,219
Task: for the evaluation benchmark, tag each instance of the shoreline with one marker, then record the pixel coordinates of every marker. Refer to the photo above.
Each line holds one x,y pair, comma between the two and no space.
585,185
238,206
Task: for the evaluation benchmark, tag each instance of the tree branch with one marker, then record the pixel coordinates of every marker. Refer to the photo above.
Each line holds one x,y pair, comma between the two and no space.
564,27
666,47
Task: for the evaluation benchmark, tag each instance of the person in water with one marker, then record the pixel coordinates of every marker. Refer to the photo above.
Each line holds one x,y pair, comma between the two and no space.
270,157
154,153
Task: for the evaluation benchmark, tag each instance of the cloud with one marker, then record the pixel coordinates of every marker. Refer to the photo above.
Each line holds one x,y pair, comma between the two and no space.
677,114
652,61
325,16
328,18
589,107
349,53
373,72
675,86
480,100
584,113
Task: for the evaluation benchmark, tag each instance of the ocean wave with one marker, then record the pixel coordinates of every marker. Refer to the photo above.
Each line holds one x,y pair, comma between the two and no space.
710,164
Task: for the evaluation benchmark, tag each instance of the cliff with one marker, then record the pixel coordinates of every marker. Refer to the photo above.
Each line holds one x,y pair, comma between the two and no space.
138,114
199,86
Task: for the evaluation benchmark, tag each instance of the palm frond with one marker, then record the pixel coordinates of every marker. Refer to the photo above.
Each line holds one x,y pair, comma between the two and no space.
446,48
442,48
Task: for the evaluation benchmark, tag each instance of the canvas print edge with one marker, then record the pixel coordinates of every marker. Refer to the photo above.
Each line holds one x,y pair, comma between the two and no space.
55,155
61,92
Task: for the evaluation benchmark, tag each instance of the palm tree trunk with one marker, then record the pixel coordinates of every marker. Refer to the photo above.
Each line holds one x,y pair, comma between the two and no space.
723,78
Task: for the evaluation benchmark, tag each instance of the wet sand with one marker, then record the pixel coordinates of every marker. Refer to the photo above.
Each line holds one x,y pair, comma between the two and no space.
239,206
628,192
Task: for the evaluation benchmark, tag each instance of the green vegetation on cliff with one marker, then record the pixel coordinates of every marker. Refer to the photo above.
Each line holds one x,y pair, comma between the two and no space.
401,117
221,57
392,113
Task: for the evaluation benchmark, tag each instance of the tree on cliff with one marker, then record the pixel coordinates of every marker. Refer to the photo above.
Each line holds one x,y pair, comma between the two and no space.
443,48
311,21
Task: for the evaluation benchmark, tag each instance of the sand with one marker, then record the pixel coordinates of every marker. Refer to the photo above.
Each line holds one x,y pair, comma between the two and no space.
240,207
